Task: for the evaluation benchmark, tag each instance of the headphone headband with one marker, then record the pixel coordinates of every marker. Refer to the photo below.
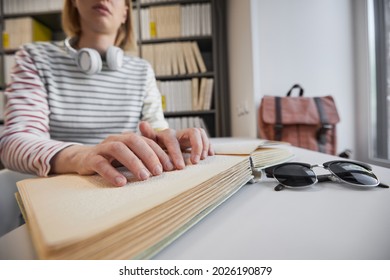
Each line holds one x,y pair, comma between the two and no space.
68,44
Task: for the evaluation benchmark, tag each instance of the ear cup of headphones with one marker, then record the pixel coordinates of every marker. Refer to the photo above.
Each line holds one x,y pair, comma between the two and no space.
114,58
89,61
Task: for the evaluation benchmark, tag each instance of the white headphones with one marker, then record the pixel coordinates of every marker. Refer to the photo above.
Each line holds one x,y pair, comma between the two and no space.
89,60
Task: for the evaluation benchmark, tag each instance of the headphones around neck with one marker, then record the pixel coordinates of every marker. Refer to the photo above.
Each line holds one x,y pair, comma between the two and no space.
89,60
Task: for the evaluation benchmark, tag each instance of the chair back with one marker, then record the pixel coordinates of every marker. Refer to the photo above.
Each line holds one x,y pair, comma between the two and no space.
10,215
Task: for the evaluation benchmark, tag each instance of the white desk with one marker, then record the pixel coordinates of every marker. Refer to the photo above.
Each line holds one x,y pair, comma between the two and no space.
327,221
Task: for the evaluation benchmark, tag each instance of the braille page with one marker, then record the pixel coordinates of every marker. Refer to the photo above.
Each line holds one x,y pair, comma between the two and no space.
69,208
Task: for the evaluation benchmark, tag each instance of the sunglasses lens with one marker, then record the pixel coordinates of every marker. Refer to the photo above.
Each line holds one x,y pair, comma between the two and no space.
354,174
294,175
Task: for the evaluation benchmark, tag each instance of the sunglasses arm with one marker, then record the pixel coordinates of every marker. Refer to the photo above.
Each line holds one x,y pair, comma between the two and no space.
327,178
381,185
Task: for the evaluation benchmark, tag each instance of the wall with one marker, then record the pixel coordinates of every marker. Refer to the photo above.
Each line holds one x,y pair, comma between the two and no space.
240,68
291,41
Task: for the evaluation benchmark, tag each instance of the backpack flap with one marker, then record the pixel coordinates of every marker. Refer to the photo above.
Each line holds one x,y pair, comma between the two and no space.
299,110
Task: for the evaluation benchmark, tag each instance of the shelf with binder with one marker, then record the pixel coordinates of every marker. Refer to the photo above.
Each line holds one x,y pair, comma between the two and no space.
24,28
165,29
185,76
2,83
146,3
178,19
47,18
15,7
26,21
177,59
200,39
22,22
202,50
190,113
8,51
189,121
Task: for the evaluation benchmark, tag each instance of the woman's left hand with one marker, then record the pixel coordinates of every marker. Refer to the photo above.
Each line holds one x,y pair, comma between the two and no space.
177,141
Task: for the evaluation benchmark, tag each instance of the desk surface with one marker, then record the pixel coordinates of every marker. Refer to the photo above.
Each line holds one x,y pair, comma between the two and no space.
326,221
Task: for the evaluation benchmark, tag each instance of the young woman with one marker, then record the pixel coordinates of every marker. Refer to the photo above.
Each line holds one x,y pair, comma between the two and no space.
75,106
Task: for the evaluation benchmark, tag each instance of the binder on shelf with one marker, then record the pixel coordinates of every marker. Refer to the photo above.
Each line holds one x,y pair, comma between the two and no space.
208,96
145,24
166,20
2,82
188,58
9,62
180,59
151,22
198,57
195,93
2,105
202,93
148,54
174,59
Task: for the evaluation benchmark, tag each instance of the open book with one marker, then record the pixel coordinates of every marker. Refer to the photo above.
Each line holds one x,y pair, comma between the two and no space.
262,153
82,217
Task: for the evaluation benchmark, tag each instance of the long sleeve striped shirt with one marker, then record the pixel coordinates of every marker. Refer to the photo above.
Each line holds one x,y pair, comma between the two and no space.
51,105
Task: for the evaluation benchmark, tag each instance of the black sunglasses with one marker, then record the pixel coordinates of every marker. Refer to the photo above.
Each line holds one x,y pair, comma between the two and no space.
301,175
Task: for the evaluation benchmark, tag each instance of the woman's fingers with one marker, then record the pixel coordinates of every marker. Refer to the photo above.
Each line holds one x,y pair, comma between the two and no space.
197,140
132,151
147,131
196,143
103,167
144,155
207,149
140,152
151,138
175,142
167,138
162,155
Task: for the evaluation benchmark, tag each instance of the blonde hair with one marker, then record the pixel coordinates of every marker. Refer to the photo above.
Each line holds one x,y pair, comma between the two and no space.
125,38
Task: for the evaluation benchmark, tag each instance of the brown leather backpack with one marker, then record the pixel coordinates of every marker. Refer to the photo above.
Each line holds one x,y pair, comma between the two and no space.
307,122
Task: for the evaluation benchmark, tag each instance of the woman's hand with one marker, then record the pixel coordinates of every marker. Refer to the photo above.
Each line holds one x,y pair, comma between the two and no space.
176,141
142,156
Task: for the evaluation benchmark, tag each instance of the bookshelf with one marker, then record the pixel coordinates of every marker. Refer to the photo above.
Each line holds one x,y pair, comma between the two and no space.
211,44
201,22
46,13
2,86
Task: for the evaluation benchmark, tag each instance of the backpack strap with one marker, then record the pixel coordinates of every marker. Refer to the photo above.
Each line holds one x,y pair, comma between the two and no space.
278,121
325,126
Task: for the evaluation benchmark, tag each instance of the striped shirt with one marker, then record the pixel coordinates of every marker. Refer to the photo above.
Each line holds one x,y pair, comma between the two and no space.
51,104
